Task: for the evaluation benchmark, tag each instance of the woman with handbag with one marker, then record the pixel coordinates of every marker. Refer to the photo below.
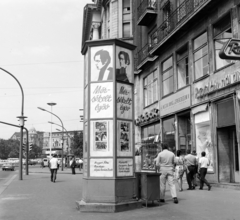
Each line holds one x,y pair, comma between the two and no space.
179,169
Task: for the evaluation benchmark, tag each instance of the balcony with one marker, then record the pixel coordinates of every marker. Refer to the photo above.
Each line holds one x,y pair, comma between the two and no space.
179,21
144,56
146,12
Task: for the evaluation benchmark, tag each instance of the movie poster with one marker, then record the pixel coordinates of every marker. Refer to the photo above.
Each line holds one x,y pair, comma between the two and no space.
101,167
102,63
124,65
86,69
124,138
101,137
101,100
85,140
124,101
125,167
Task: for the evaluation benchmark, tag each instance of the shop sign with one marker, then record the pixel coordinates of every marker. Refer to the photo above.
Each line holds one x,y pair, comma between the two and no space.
101,167
175,102
124,101
216,83
231,50
124,167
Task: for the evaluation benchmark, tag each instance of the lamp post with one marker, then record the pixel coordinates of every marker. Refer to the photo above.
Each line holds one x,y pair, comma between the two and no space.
51,104
21,119
61,126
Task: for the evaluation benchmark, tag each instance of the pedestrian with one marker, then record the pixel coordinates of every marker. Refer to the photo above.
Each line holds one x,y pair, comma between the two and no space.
191,163
72,165
203,164
179,169
42,164
53,165
165,161
195,175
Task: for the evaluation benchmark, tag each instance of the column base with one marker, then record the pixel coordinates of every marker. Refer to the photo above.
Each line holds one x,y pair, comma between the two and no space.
108,207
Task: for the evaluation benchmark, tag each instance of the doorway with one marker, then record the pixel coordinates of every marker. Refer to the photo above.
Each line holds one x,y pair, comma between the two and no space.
228,161
184,132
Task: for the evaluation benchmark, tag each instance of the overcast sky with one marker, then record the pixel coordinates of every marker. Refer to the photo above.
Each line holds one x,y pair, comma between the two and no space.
40,44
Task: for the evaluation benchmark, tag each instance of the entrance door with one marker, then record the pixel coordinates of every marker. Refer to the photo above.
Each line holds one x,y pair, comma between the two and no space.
228,165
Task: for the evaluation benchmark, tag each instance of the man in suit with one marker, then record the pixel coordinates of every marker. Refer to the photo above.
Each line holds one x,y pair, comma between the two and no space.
124,60
102,61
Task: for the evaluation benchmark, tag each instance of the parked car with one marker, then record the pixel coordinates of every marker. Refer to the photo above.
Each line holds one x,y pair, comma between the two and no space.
8,166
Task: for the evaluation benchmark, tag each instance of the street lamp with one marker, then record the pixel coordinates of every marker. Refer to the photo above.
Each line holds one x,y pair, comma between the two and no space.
61,126
21,118
51,104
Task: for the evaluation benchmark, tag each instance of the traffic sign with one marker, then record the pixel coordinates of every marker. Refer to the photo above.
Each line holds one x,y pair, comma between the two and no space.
231,50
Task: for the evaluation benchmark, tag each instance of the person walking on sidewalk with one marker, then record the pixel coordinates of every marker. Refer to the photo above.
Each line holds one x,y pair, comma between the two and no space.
53,165
165,161
191,162
72,165
203,164
179,169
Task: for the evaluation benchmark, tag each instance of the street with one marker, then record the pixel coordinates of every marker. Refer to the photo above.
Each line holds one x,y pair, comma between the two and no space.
35,197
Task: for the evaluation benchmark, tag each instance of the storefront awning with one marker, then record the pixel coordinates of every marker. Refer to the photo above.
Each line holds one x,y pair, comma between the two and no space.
200,108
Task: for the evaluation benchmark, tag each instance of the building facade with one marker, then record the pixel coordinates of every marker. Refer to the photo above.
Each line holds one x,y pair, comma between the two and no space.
180,75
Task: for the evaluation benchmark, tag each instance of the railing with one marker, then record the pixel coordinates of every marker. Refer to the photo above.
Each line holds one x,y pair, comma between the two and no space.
146,4
175,19
144,53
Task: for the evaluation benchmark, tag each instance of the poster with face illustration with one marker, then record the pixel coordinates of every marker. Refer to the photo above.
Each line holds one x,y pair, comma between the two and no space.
124,65
101,63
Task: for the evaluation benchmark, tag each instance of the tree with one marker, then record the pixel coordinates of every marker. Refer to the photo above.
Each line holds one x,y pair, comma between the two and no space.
77,144
9,148
35,152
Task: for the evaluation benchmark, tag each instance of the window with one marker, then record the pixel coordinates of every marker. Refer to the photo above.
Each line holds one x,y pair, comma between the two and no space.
150,89
166,15
182,9
150,130
108,20
169,133
126,18
182,67
200,56
167,71
222,33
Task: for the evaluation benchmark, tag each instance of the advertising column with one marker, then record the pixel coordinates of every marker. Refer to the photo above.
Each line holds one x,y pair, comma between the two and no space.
108,181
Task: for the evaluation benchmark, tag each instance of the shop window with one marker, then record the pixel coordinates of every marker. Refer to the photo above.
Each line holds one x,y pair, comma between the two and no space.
182,67
225,113
126,18
150,88
169,133
167,72
222,33
203,137
200,54
150,146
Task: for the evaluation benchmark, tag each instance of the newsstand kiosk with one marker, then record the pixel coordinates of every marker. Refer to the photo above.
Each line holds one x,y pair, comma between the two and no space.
108,177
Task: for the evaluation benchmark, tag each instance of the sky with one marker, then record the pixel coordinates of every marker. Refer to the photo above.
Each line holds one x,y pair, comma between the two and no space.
40,45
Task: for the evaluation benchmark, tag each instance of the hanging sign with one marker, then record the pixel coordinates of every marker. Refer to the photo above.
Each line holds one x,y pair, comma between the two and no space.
231,50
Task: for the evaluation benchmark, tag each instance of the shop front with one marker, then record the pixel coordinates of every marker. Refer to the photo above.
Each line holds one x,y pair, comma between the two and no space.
176,120
216,124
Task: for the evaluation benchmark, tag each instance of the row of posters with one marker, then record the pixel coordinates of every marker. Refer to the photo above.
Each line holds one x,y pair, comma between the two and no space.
101,64
101,143
104,167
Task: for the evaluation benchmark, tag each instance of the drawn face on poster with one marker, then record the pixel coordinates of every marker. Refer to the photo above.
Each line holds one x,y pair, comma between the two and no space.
100,138
124,64
101,63
124,138
124,101
86,69
101,100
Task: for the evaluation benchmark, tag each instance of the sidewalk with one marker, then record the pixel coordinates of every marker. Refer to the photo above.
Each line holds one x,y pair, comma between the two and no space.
36,197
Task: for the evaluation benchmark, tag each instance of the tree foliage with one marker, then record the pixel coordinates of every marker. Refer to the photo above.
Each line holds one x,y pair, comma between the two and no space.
77,144
9,148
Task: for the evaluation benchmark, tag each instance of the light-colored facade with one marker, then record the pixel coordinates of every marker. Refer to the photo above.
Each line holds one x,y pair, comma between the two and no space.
179,73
